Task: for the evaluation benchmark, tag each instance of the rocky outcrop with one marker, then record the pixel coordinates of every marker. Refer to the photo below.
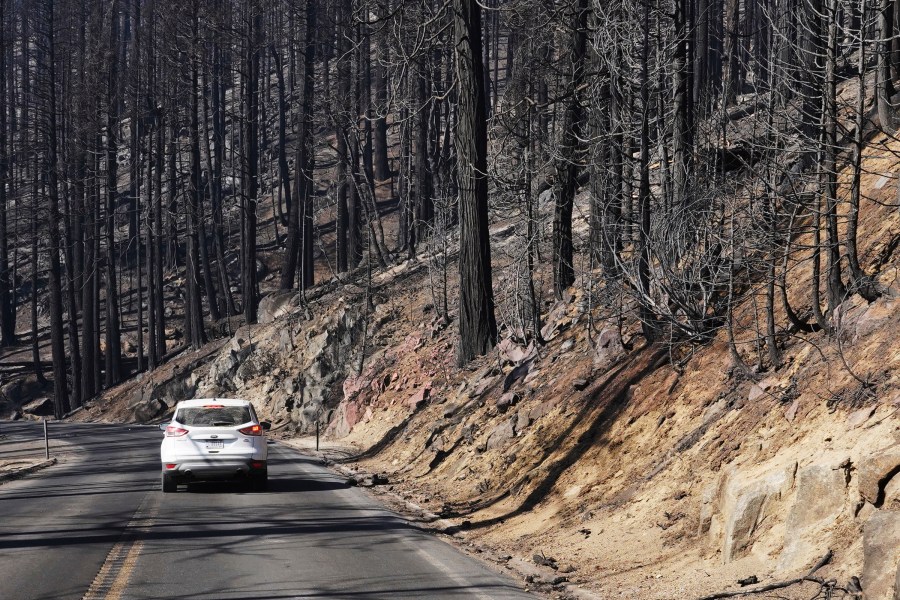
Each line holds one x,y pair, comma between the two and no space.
876,471
292,368
41,407
501,434
276,305
821,495
607,348
881,540
744,504
150,401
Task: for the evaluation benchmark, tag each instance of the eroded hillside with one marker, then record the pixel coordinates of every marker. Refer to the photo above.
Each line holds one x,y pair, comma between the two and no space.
632,470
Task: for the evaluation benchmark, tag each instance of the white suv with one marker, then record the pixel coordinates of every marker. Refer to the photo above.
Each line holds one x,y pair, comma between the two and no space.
214,438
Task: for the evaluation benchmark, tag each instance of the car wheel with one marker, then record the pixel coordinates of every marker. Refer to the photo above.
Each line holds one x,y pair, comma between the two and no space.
169,484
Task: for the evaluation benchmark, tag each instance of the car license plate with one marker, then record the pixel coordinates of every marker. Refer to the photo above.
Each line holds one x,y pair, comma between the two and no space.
215,445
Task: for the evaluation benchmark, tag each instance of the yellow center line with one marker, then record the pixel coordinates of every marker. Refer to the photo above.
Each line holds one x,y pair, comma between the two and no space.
116,571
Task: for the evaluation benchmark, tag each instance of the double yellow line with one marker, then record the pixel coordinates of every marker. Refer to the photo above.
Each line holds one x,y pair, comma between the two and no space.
113,576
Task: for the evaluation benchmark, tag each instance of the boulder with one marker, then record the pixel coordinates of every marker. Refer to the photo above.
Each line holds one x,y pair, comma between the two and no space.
148,409
820,498
523,420
502,433
541,409
507,400
707,509
515,375
420,398
42,407
745,506
875,471
881,539
276,305
514,353
608,348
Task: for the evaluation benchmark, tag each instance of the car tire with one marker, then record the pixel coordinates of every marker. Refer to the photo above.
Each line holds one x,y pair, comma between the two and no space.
169,484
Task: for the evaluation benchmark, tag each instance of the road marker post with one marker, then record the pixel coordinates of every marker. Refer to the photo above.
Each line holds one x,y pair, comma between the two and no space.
46,441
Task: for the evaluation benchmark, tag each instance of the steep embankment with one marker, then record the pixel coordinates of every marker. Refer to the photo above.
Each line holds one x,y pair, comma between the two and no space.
640,476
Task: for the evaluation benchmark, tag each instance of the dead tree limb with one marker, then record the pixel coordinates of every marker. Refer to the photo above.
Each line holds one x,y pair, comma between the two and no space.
778,584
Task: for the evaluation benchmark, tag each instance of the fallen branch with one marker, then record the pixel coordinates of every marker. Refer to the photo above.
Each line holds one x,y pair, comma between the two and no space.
779,584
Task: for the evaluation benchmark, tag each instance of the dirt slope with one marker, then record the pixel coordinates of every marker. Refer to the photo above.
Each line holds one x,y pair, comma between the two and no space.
623,470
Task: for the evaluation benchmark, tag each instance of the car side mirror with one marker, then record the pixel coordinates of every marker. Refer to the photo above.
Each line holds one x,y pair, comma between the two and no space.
265,425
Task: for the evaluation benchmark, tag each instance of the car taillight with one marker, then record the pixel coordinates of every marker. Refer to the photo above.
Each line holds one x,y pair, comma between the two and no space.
252,430
171,466
175,431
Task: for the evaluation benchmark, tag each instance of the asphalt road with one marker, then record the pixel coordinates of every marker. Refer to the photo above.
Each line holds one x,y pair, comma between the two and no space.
96,526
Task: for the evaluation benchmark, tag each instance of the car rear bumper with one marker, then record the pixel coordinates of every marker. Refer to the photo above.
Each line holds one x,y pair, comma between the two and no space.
206,469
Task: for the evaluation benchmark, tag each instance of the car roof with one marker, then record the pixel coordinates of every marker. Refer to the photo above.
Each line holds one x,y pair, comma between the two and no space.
206,401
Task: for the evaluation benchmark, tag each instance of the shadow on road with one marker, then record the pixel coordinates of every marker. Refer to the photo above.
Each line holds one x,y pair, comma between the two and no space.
275,486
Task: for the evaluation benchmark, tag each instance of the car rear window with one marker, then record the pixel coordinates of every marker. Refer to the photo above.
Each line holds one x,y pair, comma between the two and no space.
214,416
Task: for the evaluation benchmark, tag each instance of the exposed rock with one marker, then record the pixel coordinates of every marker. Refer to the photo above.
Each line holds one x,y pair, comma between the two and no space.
502,433
286,341
418,399
607,348
523,420
746,504
255,365
513,376
874,317
567,345
143,411
532,377
820,498
874,472
544,561
756,392
554,320
438,324
367,479
707,509
541,409
150,401
881,539
891,500
791,413
275,305
223,368
42,407
580,384
482,387
507,400
897,584
515,353
858,417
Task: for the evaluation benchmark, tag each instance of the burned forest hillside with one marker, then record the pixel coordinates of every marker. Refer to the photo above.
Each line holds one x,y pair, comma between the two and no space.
605,290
